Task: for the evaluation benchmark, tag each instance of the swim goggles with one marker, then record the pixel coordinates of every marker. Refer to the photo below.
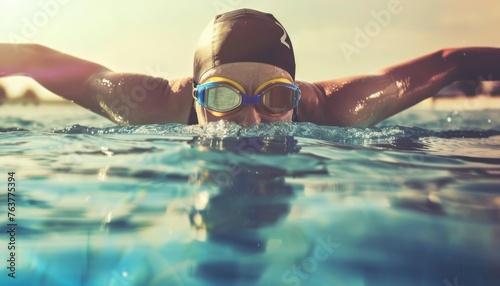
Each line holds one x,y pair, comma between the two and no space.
222,95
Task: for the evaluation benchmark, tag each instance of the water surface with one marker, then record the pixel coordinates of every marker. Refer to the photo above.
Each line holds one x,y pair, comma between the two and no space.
414,201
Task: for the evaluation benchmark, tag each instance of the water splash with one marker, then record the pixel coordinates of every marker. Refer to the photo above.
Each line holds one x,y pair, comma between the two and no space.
339,135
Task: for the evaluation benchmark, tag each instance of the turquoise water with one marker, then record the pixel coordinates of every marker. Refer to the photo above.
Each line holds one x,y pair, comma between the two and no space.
415,201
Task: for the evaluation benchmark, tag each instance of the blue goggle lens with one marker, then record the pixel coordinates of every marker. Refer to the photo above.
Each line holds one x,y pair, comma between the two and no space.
220,97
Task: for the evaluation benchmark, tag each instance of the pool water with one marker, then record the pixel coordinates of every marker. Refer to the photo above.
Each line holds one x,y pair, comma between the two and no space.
414,201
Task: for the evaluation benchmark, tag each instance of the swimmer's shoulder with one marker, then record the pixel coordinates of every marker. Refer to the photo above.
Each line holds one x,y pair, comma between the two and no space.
136,99
182,91
176,101
314,98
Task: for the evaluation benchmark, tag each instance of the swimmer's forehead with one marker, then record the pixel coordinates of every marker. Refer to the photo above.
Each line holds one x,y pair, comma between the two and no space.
248,74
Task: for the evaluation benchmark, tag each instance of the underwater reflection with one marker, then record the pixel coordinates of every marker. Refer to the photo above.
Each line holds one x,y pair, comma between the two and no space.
249,198
404,144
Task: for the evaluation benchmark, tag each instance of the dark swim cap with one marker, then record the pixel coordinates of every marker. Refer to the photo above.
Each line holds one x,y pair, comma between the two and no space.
243,35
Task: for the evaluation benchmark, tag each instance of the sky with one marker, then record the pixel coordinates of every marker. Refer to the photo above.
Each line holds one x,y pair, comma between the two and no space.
331,39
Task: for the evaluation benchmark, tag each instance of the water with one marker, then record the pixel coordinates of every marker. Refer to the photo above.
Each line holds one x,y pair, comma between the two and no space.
415,201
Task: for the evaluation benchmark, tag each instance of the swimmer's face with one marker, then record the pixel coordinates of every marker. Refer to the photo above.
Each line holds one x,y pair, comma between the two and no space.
250,76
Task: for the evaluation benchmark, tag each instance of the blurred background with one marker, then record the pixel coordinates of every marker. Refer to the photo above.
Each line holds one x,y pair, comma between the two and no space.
331,38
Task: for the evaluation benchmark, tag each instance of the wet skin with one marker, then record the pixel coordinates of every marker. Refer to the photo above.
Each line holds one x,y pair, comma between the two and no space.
133,99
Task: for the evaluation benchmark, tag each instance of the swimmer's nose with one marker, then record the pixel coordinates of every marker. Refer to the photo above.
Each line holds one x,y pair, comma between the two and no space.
249,116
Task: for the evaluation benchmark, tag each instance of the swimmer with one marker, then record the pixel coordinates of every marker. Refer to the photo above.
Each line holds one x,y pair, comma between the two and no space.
244,71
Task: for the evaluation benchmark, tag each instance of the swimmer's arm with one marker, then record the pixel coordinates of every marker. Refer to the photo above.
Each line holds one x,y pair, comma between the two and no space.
135,99
367,100
62,74
123,98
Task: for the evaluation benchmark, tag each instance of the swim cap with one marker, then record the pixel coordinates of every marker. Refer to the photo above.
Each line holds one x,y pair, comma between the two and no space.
243,35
